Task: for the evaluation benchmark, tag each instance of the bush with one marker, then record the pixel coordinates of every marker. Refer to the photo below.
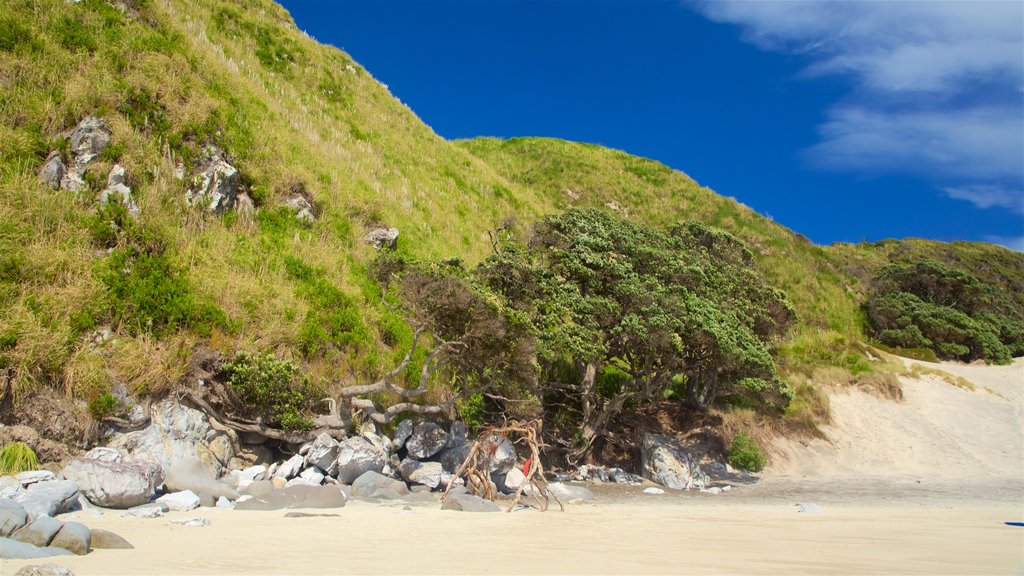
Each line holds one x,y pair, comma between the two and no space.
17,457
275,390
745,454
104,405
471,411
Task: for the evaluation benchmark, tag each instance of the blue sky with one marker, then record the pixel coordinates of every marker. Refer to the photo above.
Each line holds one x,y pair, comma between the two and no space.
845,121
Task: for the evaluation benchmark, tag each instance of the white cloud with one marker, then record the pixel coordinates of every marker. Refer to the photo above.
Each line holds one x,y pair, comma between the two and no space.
988,196
936,86
1011,242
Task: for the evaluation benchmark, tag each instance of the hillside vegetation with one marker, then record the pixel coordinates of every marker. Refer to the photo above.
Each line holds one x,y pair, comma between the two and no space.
94,297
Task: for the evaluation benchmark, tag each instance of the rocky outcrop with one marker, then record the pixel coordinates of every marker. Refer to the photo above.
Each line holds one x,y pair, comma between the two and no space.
216,185
666,462
177,432
117,190
114,484
88,140
382,238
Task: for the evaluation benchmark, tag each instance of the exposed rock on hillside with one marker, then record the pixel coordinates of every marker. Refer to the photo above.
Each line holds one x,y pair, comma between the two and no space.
216,184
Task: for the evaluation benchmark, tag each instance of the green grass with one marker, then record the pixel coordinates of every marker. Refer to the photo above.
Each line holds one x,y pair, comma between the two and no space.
17,457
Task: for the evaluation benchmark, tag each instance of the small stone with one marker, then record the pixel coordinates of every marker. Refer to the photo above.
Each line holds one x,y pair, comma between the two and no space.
382,238
653,490
191,522
809,508
145,511
278,482
44,570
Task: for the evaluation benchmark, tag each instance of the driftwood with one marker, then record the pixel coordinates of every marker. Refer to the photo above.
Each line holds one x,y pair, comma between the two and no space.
475,469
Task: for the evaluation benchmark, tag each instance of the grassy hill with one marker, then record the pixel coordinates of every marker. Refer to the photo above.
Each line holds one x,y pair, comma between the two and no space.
171,76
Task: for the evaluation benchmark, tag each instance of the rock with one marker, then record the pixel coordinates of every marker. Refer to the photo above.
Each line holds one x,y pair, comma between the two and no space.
589,473
190,474
566,492
514,479
52,171
305,448
386,238
114,484
116,176
104,540
278,483
304,210
180,501
223,502
38,532
402,433
259,488
457,434
620,476
119,193
176,432
12,517
44,570
216,186
253,473
425,473
244,205
666,462
146,511
504,458
313,475
427,439
375,485
88,140
48,498
191,522
33,476
290,467
309,515
356,456
13,550
74,179
653,490
103,455
468,503
809,508
323,454
9,486
713,490
298,481
296,497
382,444
453,458
74,537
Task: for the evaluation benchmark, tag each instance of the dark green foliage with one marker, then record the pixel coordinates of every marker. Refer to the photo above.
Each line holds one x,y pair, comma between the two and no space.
148,293
13,34
275,390
745,454
471,411
104,405
333,320
73,34
951,312
144,111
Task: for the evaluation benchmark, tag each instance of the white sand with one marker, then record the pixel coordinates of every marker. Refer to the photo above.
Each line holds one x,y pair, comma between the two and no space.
921,486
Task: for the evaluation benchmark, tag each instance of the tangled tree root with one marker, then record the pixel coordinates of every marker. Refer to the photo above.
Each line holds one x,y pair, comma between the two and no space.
475,469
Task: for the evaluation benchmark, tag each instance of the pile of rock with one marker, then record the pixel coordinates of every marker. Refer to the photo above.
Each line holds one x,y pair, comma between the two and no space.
216,184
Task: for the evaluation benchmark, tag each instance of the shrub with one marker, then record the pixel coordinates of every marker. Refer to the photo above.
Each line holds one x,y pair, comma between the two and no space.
471,411
276,390
17,457
745,454
104,405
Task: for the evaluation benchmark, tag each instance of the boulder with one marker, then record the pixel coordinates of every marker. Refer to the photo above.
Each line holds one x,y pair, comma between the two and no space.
74,179
44,570
190,474
357,456
570,493
457,434
104,540
33,476
653,490
216,186
665,462
427,439
223,502
38,532
53,170
259,488
386,238
304,210
154,510
290,467
103,455
14,550
48,498
88,140
9,486
504,458
74,537
180,501
323,453
176,432
620,476
114,484
313,475
253,473
514,478
244,205
453,458
468,503
375,485
402,433
119,193
12,517
425,473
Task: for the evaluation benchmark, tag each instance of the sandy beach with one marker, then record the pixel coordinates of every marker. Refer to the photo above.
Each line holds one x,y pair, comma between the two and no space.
920,486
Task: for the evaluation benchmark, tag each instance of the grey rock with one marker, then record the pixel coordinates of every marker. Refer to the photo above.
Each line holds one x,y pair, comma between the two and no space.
33,476
299,481
38,532
620,476
122,194
382,444
74,537
103,455
74,179
290,467
12,517
402,433
313,475
48,498
809,508
116,176
666,462
114,484
180,501
52,171
427,439
253,473
88,139
375,485
357,456
514,478
191,522
9,486
104,540
386,238
323,454
244,205
145,511
216,186
223,502
14,550
504,458
296,497
304,210
589,473
468,503
566,492
190,474
309,515
259,488
453,458
457,434
44,570
176,432
653,490
425,473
